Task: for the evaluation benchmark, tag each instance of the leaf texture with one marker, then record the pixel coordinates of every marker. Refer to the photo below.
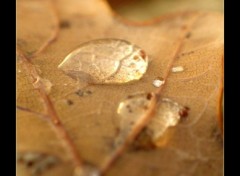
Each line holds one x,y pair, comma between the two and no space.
49,30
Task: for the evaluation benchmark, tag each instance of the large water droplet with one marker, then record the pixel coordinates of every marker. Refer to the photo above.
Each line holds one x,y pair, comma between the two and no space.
106,61
133,108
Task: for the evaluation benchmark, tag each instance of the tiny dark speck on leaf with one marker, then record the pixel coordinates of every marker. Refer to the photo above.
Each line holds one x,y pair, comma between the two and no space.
188,35
79,93
143,54
149,96
30,164
64,24
82,93
184,112
89,92
129,96
69,102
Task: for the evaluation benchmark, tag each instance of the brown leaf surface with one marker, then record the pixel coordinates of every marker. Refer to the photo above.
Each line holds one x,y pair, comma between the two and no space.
147,9
193,40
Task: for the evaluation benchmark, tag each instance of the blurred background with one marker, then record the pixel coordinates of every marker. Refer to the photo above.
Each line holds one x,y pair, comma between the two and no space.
139,10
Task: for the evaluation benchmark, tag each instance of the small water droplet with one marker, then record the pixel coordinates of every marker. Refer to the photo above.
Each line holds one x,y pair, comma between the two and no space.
19,71
166,115
177,69
106,61
158,82
44,83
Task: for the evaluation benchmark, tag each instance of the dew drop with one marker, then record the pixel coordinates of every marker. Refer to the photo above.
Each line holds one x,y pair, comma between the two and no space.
166,115
177,69
158,82
106,61
44,83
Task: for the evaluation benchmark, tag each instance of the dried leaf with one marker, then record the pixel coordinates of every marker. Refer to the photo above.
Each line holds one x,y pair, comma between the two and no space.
49,30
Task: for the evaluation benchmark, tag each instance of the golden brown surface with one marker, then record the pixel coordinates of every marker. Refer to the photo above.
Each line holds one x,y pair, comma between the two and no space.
48,30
